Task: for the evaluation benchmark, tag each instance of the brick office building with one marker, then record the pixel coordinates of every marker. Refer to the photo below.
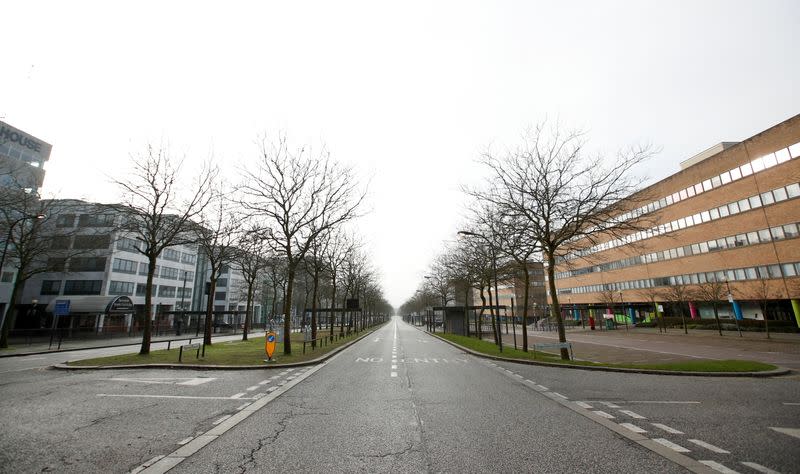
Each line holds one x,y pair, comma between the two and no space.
731,214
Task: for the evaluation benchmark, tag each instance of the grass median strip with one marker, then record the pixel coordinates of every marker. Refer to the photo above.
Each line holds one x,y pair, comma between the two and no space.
703,365
250,352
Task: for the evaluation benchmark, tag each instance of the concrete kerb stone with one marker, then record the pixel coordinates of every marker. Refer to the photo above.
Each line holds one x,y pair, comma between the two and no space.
769,373
219,367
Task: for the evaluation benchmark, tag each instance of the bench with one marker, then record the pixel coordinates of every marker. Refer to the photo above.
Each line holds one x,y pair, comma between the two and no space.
196,345
554,345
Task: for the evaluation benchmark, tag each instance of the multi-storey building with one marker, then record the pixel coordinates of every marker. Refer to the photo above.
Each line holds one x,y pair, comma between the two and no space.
730,216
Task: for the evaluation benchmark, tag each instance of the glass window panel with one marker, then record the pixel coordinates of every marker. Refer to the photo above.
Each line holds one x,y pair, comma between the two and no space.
767,198
669,200
683,195
716,182
719,275
774,271
750,273
780,194
723,211
764,235
746,169
758,165
729,275
777,233
762,272
698,188
697,219
703,247
754,201
693,278
702,278
782,155
662,202
712,245
714,213
722,243
733,208
736,173
794,150
769,160
680,251
744,205
740,275
695,249
793,190
673,253
681,223
754,238
725,177
790,231
730,242
705,216
788,270
740,240
707,185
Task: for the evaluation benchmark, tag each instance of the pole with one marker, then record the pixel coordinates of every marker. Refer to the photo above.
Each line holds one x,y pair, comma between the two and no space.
513,323
496,297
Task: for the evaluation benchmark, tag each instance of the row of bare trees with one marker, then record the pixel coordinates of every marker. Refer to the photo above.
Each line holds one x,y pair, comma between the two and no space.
285,219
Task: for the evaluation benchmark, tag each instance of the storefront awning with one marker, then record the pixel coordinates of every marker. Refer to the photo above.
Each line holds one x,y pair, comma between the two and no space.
94,304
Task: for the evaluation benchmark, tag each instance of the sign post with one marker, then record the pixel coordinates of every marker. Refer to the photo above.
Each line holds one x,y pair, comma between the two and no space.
269,345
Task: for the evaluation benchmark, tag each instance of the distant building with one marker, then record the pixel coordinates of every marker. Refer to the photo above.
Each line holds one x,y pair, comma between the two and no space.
22,158
731,215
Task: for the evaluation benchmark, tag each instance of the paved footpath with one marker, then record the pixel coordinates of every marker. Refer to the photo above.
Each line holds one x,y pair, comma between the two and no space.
647,345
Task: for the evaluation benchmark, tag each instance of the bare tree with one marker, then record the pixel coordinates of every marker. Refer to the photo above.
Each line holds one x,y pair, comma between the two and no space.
569,200
158,213
335,254
251,257
713,291
679,295
299,197
762,291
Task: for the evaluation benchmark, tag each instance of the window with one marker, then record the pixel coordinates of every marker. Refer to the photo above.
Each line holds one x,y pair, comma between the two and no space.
770,160
140,289
714,214
793,190
740,274
171,254
120,288
766,198
751,274
60,242
744,205
764,236
704,247
788,270
746,170
782,155
758,165
222,283
740,240
725,177
794,150
716,182
6,277
143,269
166,291
92,241
83,287
698,188
122,265
127,244
96,220
188,258
736,173
707,185
65,220
169,272
51,287
777,233
220,295
774,271
682,194
723,211
705,216
87,264
753,238
56,264
790,231
780,194
184,293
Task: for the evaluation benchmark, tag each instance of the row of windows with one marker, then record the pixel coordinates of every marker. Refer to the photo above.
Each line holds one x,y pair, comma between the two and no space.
130,245
165,291
759,164
788,231
85,220
737,274
122,265
115,288
791,191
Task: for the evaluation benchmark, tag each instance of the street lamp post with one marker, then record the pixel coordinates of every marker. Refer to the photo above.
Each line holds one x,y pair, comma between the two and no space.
494,272
3,259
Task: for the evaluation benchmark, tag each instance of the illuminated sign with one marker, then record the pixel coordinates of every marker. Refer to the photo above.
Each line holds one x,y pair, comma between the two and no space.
269,344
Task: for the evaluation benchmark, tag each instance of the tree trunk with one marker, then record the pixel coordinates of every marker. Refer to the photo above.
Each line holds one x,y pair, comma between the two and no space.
526,292
333,306
212,289
766,321
479,319
716,316
556,308
494,318
249,310
10,313
314,309
148,306
287,312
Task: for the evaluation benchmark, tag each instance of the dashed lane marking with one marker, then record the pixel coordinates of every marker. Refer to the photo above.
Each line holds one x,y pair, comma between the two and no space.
791,404
633,415
177,397
184,441
221,419
264,382
719,467
559,395
759,468
603,414
610,405
584,405
242,407
238,395
250,389
633,427
542,388
675,447
394,374
667,428
788,431
709,446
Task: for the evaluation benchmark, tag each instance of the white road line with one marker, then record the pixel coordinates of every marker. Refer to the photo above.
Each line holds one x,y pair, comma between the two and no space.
243,407
666,402
633,415
709,447
719,467
584,405
272,389
788,431
559,395
671,445
791,404
759,468
542,388
264,382
177,397
221,419
603,414
394,374
518,376
250,389
290,370
610,405
394,367
633,427
184,441
238,395
667,428
197,381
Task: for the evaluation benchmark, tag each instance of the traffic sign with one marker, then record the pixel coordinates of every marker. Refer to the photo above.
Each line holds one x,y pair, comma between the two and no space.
269,345
61,308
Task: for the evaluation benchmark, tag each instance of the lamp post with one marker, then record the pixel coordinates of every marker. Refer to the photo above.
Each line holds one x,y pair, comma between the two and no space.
494,272
11,226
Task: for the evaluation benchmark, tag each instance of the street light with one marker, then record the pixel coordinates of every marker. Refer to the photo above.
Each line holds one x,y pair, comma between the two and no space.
494,271
3,258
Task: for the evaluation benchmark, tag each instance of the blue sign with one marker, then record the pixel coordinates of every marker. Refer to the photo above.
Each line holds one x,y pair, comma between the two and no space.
271,338
61,308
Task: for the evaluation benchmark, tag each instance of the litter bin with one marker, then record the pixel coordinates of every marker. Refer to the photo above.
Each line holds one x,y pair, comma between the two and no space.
609,324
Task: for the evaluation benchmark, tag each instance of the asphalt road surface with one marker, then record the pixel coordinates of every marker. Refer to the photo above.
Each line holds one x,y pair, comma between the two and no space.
398,400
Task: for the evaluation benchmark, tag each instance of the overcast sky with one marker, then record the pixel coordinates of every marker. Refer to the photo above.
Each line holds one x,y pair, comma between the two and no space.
408,92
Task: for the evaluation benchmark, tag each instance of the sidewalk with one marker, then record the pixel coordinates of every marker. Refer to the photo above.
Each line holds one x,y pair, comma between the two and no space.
647,345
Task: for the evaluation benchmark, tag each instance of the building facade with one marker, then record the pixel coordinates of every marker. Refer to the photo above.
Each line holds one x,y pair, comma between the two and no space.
730,219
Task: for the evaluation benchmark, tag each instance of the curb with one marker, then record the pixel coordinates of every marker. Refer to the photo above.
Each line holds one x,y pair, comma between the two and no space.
768,373
217,367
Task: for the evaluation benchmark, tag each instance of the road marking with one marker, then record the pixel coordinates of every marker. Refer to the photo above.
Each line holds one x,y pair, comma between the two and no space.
671,445
184,441
147,464
272,389
243,406
633,427
264,382
719,467
518,376
788,431
759,468
542,388
668,402
250,389
791,404
667,428
559,395
275,377
221,419
197,381
610,405
633,415
177,397
394,374
166,380
584,405
394,367
290,370
709,447
238,395
603,414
